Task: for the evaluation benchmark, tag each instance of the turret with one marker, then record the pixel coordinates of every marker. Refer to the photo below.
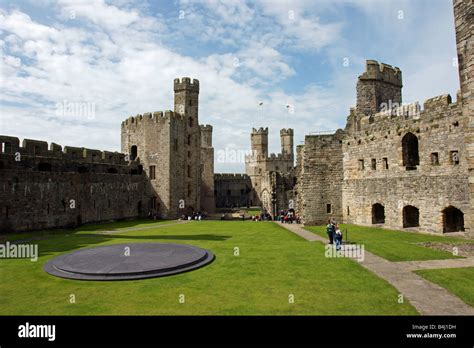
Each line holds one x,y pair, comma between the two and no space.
286,136
259,141
378,88
206,135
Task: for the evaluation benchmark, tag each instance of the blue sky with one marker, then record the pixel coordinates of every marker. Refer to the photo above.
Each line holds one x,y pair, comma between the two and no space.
119,58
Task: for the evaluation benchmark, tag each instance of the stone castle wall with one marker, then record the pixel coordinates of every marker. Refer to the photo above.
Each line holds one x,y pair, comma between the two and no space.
319,187
464,22
375,173
43,187
233,190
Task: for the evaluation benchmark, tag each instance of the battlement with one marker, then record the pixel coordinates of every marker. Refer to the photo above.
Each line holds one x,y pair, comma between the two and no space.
37,148
156,116
205,127
433,108
261,130
288,131
185,83
382,72
231,176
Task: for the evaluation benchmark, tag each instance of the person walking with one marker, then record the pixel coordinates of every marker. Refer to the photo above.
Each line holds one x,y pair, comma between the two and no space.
338,237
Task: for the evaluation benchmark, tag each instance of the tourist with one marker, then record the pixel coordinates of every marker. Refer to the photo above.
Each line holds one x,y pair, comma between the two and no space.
330,230
338,237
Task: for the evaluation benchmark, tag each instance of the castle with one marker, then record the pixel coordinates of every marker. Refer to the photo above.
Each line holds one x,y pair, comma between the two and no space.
166,170
394,165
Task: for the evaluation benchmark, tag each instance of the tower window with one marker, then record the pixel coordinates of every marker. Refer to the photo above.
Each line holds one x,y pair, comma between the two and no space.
133,152
385,163
328,208
361,164
189,171
152,173
189,139
191,122
434,158
374,164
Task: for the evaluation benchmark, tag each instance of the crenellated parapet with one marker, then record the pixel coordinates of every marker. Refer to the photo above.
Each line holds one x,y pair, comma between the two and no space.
31,149
186,84
159,117
382,72
231,176
288,132
261,130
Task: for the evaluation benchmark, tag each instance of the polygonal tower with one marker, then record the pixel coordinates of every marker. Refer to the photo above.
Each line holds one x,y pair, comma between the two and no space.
379,87
286,136
186,104
259,142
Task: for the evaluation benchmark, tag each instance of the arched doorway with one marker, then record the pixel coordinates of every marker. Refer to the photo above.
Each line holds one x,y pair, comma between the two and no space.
411,216
411,157
453,220
133,152
378,214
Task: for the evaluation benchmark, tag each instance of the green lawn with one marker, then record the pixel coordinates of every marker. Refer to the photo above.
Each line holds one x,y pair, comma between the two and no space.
395,245
459,281
273,264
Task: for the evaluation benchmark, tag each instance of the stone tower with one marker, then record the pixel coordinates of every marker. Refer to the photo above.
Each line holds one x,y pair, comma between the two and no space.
379,85
464,22
259,142
286,136
186,104
208,203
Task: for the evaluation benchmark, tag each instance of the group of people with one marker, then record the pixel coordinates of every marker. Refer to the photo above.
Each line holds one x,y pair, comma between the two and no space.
194,216
288,217
334,233
264,216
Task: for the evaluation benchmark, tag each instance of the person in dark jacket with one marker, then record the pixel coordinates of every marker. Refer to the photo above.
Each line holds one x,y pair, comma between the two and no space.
330,229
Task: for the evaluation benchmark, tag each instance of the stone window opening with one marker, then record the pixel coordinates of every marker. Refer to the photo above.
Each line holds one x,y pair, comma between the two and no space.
328,208
191,121
374,164
411,157
385,163
6,212
454,157
435,159
153,203
411,216
228,192
82,169
139,207
189,190
378,214
189,171
348,211
189,139
361,164
133,152
453,220
175,144
152,172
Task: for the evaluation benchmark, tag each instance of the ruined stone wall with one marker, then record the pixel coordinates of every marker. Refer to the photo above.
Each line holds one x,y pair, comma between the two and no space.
320,179
464,23
43,187
233,190
375,172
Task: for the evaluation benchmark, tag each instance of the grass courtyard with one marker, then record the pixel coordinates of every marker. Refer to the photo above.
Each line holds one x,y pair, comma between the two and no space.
395,245
273,267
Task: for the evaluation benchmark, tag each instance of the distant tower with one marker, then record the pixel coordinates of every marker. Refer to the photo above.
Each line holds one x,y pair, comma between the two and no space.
286,136
380,84
186,104
208,203
259,142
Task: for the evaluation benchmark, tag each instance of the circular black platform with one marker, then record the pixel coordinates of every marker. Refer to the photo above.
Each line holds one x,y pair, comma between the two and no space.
129,261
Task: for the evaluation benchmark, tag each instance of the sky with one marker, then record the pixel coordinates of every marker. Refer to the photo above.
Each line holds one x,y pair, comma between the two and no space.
72,70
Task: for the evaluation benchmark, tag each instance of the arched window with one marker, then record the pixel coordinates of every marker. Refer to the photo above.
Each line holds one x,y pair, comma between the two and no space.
453,220
411,157
411,216
378,214
133,152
